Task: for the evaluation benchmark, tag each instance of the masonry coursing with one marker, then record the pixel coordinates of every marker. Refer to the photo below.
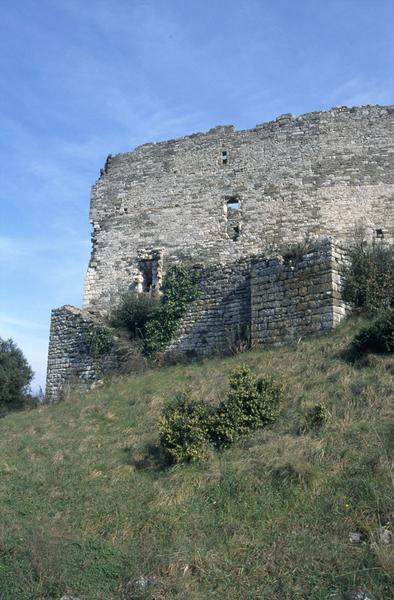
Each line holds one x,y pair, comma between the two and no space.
316,174
226,200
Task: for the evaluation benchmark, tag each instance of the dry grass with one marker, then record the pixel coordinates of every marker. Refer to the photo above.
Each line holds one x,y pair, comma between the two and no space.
88,506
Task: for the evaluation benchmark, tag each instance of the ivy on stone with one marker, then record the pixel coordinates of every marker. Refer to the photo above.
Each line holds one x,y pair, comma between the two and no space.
99,341
180,288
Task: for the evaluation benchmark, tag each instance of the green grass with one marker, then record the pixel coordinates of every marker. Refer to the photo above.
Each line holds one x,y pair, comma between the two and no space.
87,505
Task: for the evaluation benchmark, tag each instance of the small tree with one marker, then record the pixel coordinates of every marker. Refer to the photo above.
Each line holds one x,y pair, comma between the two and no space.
15,375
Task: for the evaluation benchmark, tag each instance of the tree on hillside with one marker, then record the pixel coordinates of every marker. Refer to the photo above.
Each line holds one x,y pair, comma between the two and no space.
15,375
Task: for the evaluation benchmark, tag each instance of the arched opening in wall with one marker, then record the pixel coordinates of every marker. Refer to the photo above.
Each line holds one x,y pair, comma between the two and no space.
232,212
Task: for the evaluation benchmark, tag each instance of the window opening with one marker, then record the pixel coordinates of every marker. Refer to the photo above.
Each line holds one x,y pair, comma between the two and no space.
147,269
233,204
232,212
379,233
224,157
235,233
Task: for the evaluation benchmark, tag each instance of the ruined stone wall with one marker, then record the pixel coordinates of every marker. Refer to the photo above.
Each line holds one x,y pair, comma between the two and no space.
298,295
320,174
70,362
220,316
265,300
220,199
253,300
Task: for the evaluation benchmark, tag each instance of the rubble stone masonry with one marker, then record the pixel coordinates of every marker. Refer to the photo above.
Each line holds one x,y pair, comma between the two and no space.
233,202
320,174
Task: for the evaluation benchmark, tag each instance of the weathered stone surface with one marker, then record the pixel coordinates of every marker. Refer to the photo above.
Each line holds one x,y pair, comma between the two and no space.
297,296
227,200
319,174
70,362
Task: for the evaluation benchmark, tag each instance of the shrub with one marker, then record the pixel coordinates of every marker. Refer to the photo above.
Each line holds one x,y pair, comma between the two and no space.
15,375
296,251
369,279
99,341
184,429
377,337
155,320
316,417
133,313
187,428
250,404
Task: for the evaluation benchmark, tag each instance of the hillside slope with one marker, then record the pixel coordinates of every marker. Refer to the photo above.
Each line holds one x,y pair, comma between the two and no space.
89,508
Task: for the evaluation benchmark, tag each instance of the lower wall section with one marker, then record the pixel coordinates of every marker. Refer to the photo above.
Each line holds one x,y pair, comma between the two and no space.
221,315
297,295
256,300
70,360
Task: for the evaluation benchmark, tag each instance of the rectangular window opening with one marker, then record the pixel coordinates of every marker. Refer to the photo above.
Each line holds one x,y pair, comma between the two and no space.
379,233
233,204
147,269
224,157
235,233
232,212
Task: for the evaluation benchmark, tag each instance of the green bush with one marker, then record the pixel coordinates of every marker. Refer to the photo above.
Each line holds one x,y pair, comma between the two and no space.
377,337
15,375
250,404
184,429
99,341
152,319
187,428
369,279
133,313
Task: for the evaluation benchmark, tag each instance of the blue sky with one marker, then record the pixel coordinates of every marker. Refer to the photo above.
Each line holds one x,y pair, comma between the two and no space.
80,79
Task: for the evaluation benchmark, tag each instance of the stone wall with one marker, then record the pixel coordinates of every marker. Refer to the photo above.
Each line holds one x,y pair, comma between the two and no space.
70,361
298,295
225,200
320,174
266,300
253,300
220,316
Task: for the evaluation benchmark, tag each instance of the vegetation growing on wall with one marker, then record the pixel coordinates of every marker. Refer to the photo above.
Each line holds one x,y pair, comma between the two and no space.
133,313
180,288
155,321
99,341
369,279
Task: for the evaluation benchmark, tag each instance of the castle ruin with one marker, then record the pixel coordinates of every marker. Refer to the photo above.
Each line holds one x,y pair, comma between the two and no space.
230,201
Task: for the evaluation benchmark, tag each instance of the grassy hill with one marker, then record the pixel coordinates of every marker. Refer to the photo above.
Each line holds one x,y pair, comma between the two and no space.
89,508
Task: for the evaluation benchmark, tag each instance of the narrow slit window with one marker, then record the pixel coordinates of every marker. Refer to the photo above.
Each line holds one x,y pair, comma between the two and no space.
148,272
233,217
235,233
224,157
